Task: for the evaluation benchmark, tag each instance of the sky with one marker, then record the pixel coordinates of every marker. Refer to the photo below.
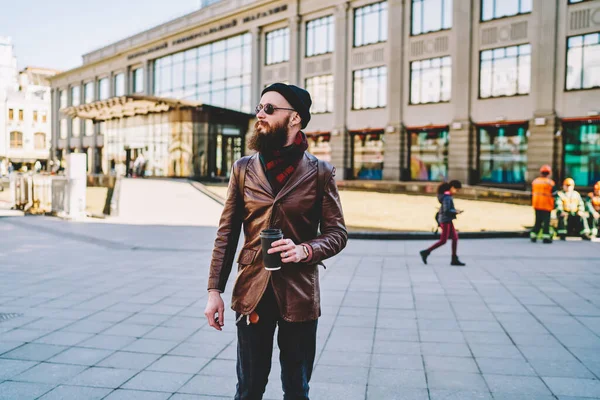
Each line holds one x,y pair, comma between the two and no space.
56,33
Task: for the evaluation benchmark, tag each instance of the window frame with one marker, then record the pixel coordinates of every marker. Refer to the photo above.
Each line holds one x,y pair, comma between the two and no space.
11,114
481,20
354,83
134,88
330,22
578,2
412,4
115,82
582,56
410,80
21,115
505,96
565,126
13,141
35,140
437,129
332,83
267,34
355,10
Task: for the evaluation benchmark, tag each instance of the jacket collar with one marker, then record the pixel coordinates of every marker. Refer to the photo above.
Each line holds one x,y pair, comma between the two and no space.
306,167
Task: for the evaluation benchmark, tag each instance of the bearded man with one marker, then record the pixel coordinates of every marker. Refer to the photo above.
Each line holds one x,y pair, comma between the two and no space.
281,186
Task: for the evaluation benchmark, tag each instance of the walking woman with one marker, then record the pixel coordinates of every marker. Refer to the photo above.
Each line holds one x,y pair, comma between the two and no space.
445,217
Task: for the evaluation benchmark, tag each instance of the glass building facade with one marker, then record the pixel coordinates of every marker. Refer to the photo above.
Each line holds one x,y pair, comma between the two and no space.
428,151
503,153
218,73
582,152
367,155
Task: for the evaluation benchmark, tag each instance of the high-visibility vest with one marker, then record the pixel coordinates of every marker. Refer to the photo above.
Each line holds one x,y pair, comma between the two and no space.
570,203
541,194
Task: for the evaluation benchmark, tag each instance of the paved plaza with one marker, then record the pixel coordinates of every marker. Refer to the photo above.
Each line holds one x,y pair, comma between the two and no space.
115,311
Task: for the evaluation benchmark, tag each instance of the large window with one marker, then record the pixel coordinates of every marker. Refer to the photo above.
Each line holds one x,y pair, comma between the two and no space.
138,80
582,152
103,89
319,145
63,128
320,36
505,71
88,92
370,24
429,154
218,73
63,98
39,140
367,155
503,153
321,91
430,80
370,88
119,84
430,16
493,9
277,46
16,140
75,127
583,62
75,96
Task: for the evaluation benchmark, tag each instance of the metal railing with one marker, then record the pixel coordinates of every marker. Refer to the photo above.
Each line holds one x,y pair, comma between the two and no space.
39,193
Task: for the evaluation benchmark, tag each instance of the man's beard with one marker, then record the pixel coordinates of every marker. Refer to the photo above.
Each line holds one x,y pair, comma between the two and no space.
269,138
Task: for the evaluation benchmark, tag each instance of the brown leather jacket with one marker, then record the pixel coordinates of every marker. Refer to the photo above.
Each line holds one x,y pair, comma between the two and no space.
295,210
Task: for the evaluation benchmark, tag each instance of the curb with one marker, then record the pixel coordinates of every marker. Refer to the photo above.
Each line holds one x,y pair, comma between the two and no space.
434,236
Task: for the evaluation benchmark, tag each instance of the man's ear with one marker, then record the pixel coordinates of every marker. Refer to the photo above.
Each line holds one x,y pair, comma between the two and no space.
295,119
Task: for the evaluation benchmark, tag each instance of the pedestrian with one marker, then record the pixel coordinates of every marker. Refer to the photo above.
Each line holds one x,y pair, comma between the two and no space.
593,208
542,200
446,215
570,211
277,187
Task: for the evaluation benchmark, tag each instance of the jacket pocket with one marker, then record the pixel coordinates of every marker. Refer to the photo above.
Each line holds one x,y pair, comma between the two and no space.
246,256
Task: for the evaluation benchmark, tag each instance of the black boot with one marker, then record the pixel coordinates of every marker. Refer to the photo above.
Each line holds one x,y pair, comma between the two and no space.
424,255
547,240
456,262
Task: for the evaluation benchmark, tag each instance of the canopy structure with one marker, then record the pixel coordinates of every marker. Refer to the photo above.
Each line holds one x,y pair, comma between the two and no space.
170,137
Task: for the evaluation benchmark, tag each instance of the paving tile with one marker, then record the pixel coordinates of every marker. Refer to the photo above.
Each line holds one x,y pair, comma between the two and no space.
564,369
10,368
157,381
397,361
103,377
22,390
397,378
392,393
505,366
345,359
63,392
457,364
34,352
574,387
128,360
64,338
445,394
153,346
81,356
340,374
495,351
122,394
49,373
456,381
220,368
516,385
445,349
107,342
190,365
335,391
5,347
210,386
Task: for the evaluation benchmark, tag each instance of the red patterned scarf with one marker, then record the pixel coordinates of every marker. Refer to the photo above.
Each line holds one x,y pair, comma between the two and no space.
281,164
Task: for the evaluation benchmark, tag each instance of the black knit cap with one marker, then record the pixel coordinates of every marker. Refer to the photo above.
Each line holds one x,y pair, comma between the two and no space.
298,98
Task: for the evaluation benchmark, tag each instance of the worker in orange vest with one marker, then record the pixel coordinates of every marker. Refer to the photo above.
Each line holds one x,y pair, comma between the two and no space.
593,208
570,211
542,200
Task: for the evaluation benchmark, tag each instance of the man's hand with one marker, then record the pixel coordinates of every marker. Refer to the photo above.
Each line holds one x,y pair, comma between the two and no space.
563,214
596,215
289,251
214,306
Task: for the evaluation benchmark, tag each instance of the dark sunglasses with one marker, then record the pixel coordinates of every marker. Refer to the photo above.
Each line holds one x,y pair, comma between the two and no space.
269,108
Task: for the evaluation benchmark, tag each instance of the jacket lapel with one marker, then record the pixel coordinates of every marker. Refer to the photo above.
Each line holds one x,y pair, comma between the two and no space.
306,167
258,171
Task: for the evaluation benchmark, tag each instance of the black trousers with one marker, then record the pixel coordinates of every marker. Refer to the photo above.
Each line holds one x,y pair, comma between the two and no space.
297,348
542,221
